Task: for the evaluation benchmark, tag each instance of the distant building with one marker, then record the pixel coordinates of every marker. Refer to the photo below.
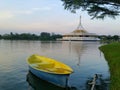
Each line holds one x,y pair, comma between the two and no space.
80,34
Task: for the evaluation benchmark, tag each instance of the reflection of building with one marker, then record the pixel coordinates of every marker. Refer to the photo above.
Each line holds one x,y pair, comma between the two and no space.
78,48
80,35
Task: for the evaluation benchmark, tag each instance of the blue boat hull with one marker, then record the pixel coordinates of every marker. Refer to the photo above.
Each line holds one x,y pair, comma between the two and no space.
56,79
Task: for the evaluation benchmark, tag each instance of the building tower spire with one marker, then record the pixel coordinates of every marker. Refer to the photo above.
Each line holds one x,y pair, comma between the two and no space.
80,27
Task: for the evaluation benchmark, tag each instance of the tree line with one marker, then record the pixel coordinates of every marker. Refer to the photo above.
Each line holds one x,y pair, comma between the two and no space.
44,36
109,37
28,36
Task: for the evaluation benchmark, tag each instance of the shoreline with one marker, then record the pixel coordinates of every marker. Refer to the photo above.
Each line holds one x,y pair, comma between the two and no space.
112,55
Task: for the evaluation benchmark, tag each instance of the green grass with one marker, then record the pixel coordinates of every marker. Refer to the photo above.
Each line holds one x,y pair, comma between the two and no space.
112,55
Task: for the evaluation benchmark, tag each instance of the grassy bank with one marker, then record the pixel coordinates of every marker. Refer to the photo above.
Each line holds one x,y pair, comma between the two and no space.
112,55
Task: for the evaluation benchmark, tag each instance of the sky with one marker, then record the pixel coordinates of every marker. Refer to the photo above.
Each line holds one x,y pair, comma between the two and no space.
36,16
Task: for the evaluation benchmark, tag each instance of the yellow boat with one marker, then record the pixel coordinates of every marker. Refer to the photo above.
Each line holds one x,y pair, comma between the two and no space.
49,69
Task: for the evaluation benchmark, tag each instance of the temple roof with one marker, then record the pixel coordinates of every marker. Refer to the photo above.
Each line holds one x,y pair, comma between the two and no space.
79,31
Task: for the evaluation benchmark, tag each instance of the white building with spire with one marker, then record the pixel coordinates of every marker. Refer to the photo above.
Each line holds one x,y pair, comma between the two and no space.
80,34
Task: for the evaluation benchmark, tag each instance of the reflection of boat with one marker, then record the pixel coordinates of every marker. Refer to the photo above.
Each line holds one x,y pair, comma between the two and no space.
39,84
49,69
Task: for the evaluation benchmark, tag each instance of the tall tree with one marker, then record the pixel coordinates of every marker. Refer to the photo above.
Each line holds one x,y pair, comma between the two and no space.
45,36
96,8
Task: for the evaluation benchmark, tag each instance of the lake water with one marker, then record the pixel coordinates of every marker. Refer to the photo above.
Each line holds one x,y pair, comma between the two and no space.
84,57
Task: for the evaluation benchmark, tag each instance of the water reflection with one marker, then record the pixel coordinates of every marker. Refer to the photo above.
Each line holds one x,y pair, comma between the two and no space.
50,45
39,84
79,49
84,57
75,49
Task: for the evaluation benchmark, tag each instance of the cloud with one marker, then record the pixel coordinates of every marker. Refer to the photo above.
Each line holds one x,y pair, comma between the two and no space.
42,9
23,12
33,10
6,15
10,14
